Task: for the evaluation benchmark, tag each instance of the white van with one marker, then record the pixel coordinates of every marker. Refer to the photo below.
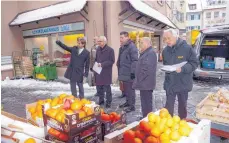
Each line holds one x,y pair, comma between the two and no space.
212,45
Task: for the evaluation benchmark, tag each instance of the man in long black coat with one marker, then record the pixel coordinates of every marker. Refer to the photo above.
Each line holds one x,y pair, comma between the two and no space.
105,58
145,80
78,67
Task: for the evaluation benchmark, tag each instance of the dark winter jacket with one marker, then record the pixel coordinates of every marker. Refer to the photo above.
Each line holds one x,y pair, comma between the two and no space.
127,59
179,82
79,63
146,70
106,57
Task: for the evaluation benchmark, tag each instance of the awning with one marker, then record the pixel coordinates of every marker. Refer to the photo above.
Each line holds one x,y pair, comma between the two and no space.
51,11
145,9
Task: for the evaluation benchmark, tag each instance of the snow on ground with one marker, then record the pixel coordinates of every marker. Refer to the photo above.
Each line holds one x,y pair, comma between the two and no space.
44,87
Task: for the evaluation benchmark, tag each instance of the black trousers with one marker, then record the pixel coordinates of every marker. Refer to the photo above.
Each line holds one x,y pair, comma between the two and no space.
130,93
146,101
101,89
74,91
182,103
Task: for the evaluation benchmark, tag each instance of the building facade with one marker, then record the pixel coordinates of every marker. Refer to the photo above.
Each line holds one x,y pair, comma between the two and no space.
214,12
227,12
178,14
193,15
29,25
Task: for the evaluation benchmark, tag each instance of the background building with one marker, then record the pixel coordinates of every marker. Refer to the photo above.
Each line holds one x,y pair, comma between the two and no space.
193,15
31,25
178,14
214,12
227,12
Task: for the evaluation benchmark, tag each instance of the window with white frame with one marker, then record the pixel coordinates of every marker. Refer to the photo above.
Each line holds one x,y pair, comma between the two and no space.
216,14
223,14
192,6
208,15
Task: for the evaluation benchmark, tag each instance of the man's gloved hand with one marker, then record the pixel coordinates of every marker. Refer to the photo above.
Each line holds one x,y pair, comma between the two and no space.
132,76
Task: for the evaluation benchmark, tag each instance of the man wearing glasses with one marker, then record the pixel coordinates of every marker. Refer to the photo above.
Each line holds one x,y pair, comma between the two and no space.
105,58
180,82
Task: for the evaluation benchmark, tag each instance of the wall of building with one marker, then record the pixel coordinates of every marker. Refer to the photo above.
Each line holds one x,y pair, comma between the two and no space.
11,37
227,13
197,22
161,7
208,22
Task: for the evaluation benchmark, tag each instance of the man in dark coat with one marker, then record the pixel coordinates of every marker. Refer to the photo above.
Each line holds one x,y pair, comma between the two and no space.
105,58
180,82
78,67
145,73
127,59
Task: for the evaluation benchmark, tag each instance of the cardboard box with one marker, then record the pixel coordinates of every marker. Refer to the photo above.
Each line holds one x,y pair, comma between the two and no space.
73,125
39,121
199,134
109,127
91,135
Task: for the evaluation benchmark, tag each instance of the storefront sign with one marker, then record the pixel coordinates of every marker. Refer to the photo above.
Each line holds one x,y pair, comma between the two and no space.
55,29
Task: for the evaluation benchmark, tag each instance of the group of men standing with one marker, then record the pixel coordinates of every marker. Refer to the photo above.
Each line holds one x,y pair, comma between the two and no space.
136,70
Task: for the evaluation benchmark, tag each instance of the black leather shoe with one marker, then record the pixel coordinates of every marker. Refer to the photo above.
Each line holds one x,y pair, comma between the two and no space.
129,109
108,105
123,95
123,105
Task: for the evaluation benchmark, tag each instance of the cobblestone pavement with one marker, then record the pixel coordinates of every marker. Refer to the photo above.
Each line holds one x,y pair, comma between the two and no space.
15,94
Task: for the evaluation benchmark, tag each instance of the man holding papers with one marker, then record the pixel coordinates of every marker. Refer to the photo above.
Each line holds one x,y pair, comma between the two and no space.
179,82
105,59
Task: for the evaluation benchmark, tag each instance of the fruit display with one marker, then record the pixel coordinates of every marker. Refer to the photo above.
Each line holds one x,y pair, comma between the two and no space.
160,128
34,110
30,140
215,107
222,96
112,122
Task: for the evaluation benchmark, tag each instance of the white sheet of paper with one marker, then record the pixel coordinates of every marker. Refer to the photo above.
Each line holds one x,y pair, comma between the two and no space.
96,68
172,68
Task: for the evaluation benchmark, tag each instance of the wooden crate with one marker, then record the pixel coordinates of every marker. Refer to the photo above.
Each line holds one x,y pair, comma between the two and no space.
212,110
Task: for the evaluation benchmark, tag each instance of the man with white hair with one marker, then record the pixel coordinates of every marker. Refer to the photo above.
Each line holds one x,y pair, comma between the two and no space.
145,73
180,82
105,58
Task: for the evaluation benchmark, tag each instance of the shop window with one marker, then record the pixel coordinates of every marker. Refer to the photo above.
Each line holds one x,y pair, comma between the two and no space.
62,57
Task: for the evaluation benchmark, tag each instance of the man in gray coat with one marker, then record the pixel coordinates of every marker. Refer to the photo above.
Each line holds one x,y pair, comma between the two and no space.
78,67
145,80
180,82
127,59
105,58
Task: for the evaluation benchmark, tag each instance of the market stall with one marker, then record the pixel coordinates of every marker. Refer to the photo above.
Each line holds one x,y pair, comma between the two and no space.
69,119
215,107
